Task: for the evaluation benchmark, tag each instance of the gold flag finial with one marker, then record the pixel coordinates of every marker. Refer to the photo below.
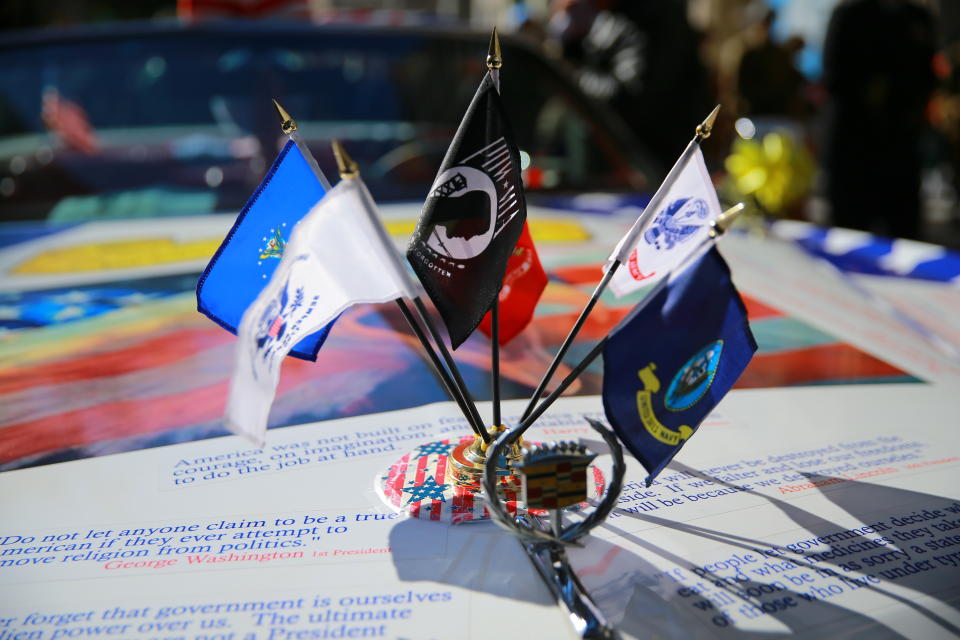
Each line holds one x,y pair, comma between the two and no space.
345,164
494,61
726,219
287,124
705,127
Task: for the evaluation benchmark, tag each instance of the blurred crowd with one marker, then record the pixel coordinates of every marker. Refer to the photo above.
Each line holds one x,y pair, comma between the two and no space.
857,123
835,111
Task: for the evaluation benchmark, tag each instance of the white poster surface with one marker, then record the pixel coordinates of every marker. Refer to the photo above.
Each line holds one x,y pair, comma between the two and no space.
817,512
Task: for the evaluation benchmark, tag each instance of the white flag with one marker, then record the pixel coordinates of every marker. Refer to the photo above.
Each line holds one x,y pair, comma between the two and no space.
338,255
675,222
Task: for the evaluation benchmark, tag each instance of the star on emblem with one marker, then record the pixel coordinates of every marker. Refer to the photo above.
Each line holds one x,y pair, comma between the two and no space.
439,448
429,489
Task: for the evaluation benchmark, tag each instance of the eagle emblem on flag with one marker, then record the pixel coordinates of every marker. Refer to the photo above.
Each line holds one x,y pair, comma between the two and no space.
676,223
275,245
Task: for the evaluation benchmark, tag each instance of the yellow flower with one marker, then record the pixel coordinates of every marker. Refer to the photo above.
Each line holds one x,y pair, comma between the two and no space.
776,171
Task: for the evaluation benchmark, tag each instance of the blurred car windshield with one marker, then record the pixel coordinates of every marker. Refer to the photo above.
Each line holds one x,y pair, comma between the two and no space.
180,121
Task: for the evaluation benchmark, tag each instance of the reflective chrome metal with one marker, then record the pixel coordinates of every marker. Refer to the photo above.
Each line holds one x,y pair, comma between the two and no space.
546,548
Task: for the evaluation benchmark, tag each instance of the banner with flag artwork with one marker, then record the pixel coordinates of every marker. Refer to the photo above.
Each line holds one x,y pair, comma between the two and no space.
523,283
472,218
336,257
255,245
666,236
673,358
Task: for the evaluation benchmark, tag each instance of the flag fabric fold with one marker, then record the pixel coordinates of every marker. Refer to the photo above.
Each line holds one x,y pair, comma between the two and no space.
336,257
472,218
255,245
523,283
664,235
673,358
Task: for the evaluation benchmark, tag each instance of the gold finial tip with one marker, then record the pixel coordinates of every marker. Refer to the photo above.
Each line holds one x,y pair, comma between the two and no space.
494,60
345,164
728,217
706,127
287,124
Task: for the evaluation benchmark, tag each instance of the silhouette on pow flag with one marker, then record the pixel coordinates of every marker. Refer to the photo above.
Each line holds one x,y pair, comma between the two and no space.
462,215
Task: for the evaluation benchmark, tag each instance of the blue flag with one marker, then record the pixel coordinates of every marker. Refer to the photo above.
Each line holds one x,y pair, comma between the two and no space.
250,253
669,363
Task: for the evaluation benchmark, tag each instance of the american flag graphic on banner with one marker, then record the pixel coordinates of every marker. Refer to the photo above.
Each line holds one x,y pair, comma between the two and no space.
419,485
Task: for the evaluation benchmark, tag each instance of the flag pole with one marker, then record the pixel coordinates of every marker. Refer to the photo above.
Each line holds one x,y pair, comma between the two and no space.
719,227
349,171
494,62
701,133
289,126
454,369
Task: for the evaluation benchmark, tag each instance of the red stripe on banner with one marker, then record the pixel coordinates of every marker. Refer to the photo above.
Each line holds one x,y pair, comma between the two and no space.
142,415
821,363
401,480
156,352
468,506
398,480
456,506
418,480
579,274
441,474
599,482
757,309
601,567
601,320
112,420
459,511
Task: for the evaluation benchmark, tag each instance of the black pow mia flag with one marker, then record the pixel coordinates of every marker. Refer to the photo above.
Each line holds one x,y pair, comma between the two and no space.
472,217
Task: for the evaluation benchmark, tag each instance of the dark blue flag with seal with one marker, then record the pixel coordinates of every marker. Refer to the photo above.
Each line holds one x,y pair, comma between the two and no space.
672,359
472,218
247,257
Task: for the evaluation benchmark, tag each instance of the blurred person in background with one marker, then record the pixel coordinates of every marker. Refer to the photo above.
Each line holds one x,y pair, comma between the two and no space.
640,57
770,163
877,70
945,110
769,83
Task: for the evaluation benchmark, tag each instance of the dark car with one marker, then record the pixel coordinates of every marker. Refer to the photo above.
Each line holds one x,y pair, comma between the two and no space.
147,120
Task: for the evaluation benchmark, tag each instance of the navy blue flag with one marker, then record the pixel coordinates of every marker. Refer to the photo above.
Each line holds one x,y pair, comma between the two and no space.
250,253
669,363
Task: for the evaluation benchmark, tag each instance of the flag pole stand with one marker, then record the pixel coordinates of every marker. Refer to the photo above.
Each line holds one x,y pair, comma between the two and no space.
554,477
460,465
442,481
